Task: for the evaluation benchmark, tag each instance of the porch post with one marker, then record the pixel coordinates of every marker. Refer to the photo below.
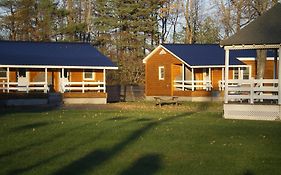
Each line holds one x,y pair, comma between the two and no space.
104,80
192,79
226,75
62,85
222,79
279,77
183,73
8,79
46,80
210,77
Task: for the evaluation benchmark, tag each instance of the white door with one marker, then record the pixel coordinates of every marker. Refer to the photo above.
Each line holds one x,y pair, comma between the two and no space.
23,79
64,79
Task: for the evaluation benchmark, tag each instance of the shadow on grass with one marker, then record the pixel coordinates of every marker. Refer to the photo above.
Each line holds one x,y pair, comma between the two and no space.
38,143
26,109
92,160
117,118
148,165
30,126
248,172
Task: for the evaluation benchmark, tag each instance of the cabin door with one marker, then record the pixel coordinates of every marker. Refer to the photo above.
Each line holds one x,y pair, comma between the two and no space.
23,79
206,77
64,79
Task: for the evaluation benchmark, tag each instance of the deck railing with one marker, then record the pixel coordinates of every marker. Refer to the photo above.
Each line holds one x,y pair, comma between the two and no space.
193,84
253,90
83,86
18,87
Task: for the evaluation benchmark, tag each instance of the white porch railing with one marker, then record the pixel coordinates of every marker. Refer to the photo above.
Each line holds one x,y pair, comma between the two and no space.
192,85
253,90
83,86
31,86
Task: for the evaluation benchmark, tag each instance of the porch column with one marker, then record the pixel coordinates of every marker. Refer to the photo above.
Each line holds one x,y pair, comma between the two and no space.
222,79
210,77
183,73
8,79
279,77
192,79
62,85
104,80
226,76
46,80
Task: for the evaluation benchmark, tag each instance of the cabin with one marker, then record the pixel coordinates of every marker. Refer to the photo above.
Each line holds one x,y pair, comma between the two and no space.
255,99
195,72
34,72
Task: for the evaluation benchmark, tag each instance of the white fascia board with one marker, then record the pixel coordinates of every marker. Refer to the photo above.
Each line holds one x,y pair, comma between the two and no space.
59,67
254,58
218,66
253,46
152,53
162,47
176,56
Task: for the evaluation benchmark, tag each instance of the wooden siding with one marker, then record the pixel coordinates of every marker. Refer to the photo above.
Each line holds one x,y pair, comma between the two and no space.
154,86
269,68
85,95
216,76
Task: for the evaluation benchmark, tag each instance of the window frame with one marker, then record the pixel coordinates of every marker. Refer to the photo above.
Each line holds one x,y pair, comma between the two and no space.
89,71
161,73
3,70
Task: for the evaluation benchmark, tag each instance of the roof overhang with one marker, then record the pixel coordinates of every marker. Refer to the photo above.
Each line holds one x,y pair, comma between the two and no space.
252,46
58,67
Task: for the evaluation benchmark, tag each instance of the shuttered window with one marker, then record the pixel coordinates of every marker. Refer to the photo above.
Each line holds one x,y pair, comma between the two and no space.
161,73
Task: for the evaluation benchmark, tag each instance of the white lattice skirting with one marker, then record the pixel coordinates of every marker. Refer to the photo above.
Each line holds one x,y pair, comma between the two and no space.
252,112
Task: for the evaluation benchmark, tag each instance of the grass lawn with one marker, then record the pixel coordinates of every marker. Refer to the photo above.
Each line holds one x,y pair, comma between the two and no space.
137,138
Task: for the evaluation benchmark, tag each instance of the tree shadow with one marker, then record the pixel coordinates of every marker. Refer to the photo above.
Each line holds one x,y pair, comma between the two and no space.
38,143
248,172
4,111
30,126
98,157
148,165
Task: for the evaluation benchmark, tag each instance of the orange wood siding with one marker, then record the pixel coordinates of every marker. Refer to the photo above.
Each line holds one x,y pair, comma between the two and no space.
216,76
154,86
269,68
76,75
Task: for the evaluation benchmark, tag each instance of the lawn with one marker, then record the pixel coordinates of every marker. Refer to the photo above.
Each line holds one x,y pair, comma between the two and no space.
136,138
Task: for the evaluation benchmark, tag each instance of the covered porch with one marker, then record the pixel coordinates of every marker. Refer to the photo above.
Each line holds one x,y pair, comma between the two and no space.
255,99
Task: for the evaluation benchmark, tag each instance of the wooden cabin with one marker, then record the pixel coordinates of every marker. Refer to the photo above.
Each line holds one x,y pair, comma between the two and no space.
255,99
36,69
194,71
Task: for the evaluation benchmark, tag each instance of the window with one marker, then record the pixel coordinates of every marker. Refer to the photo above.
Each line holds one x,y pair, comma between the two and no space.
3,73
246,73
89,75
236,73
241,73
161,72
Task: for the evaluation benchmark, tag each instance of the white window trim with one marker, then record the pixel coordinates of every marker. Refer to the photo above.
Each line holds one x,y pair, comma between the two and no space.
159,72
93,75
6,74
241,73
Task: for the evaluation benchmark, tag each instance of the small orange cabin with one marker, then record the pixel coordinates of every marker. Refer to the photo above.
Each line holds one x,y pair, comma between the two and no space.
75,70
195,71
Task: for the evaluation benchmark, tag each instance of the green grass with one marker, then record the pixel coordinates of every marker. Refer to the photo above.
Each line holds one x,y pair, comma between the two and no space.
137,138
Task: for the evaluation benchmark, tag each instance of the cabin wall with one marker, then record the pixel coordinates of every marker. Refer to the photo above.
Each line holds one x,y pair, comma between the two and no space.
269,68
154,86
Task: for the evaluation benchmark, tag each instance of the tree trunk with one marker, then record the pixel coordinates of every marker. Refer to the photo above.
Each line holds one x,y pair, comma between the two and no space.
261,59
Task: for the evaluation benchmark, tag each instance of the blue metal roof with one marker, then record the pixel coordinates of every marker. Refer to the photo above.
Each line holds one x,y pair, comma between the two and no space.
207,54
52,54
